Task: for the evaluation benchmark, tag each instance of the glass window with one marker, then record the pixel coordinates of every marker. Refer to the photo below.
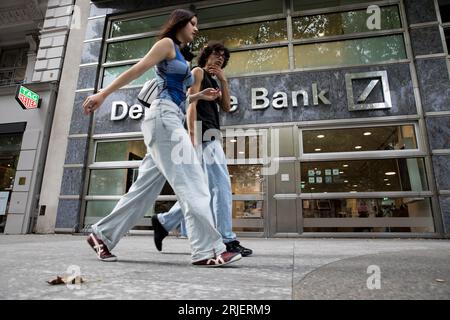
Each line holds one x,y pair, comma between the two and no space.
444,8
135,26
111,73
342,23
245,179
249,209
447,38
368,215
128,50
349,52
262,60
128,150
314,4
97,209
364,176
108,182
243,35
239,11
360,139
243,147
10,145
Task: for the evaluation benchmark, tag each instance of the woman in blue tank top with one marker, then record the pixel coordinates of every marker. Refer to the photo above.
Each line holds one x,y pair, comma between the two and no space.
165,137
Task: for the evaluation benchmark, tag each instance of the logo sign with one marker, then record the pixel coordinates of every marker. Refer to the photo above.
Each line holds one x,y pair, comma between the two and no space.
361,87
27,98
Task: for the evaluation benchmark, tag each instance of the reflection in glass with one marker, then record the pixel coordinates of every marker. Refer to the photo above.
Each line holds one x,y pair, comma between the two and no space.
262,60
243,147
245,179
129,27
349,52
367,211
314,4
360,139
342,23
364,176
128,50
250,209
243,35
97,209
129,150
111,73
239,11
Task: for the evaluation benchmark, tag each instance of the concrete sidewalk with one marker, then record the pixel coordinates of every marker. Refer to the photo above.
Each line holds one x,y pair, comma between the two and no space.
279,269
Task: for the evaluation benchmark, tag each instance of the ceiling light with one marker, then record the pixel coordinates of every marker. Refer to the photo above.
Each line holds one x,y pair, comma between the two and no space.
233,140
358,147
345,165
367,133
317,149
390,173
320,136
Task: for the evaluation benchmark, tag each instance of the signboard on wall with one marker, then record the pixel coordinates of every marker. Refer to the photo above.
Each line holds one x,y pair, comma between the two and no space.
26,98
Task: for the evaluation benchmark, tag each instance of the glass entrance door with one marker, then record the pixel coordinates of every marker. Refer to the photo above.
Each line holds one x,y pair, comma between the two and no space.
9,157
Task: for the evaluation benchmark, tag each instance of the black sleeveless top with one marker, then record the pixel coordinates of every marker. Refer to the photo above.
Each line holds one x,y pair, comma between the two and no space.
208,111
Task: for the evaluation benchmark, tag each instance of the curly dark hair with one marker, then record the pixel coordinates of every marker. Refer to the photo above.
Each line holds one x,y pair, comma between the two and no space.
213,46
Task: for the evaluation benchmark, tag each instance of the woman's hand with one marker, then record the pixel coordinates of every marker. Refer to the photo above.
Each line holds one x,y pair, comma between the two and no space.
93,102
208,94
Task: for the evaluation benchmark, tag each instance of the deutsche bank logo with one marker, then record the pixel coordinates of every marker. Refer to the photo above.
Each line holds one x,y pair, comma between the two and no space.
368,91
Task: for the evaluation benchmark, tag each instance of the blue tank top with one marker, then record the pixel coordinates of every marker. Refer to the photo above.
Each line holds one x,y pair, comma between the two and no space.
174,77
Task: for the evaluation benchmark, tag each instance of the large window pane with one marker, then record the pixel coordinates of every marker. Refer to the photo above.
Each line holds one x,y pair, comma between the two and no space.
359,139
128,50
243,147
97,209
364,176
342,23
129,27
314,4
350,52
111,73
245,179
250,209
107,182
368,215
444,8
263,60
239,11
120,150
243,35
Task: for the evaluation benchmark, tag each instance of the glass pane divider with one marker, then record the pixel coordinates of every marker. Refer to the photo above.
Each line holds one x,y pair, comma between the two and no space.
364,195
359,35
114,165
344,8
364,155
120,63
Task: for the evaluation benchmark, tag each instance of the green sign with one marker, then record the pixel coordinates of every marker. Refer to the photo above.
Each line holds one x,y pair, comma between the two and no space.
27,98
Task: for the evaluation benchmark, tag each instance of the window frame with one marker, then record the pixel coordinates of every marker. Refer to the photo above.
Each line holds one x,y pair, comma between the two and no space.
288,14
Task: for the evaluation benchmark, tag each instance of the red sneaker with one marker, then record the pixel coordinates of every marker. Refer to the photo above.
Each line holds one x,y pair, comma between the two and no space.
223,259
100,249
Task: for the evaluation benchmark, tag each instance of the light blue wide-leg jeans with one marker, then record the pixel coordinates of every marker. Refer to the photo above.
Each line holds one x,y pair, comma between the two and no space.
170,156
215,166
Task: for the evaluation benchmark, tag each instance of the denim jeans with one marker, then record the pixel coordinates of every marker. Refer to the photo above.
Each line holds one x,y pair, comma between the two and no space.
215,165
165,137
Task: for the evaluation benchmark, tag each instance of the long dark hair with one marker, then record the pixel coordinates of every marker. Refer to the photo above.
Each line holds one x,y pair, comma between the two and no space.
178,19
